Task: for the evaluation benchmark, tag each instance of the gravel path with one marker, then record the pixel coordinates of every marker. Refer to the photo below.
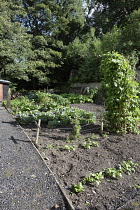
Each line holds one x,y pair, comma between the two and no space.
25,181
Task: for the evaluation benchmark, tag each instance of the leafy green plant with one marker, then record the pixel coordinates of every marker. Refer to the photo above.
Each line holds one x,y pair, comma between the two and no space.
22,105
122,101
128,166
112,173
94,178
136,186
89,144
49,146
70,147
75,128
91,92
78,188
76,98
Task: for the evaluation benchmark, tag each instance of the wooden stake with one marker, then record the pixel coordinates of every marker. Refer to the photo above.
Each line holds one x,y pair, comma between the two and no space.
8,99
38,129
102,125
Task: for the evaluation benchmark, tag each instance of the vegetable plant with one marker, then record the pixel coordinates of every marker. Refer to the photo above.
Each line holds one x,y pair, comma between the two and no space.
122,101
77,99
89,144
112,173
78,188
75,127
70,147
128,166
60,116
94,178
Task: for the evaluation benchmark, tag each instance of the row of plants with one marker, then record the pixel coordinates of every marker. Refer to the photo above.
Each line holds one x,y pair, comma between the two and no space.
51,109
88,97
94,179
61,116
72,147
46,101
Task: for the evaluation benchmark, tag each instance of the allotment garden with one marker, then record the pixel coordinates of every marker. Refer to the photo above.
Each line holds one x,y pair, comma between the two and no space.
92,149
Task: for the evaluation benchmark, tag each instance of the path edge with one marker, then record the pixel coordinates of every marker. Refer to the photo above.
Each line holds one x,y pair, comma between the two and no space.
67,200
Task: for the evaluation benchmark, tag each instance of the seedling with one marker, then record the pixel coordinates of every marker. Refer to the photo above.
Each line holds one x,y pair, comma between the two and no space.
112,173
128,166
89,143
86,145
94,178
78,188
49,146
136,186
70,148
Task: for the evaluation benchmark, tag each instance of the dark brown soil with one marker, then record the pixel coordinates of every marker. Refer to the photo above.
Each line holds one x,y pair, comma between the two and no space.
71,167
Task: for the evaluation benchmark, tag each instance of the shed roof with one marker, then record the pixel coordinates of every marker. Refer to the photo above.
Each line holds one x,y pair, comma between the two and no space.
4,82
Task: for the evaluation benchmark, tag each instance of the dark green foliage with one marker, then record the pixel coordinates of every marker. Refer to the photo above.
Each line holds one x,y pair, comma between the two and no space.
50,43
122,108
76,98
111,12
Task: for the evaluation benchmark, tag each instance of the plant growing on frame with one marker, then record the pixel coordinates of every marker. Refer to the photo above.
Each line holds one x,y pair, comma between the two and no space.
122,101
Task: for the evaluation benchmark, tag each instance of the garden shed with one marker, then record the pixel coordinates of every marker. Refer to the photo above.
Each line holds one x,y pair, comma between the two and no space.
4,87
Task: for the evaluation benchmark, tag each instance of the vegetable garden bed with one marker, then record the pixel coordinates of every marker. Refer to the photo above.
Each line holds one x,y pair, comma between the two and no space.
73,161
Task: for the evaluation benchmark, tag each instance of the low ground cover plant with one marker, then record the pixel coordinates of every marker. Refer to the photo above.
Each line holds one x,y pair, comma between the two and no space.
127,167
51,109
78,98
61,116
94,178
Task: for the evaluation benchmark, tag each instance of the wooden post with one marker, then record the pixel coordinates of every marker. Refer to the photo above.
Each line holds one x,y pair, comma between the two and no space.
102,125
8,99
38,129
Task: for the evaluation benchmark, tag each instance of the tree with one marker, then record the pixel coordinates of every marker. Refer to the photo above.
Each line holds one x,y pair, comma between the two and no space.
13,40
124,40
89,69
108,13
53,25
130,36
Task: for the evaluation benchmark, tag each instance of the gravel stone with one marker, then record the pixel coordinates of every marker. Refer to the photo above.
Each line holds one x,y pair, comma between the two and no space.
26,183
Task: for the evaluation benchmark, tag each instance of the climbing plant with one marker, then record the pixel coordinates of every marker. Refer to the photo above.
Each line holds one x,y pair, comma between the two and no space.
122,105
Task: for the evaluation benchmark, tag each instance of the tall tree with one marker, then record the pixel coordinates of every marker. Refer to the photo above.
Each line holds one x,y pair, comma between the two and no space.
53,25
107,13
13,40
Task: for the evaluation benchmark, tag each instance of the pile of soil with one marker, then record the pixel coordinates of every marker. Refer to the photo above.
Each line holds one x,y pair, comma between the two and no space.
70,167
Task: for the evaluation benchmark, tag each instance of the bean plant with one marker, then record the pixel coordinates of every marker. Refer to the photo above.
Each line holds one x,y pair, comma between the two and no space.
76,128
122,101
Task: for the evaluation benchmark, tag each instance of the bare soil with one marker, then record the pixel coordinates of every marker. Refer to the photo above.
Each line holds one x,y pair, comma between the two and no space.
70,167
